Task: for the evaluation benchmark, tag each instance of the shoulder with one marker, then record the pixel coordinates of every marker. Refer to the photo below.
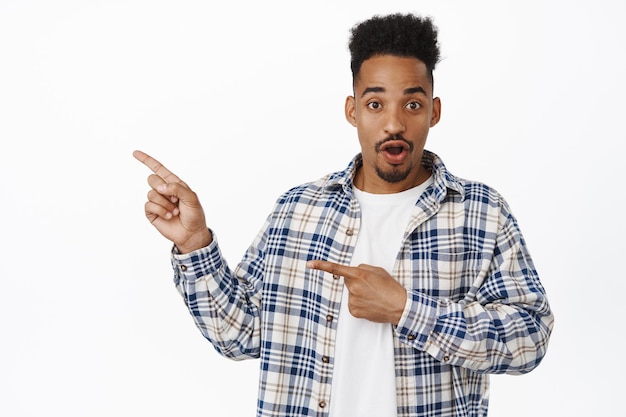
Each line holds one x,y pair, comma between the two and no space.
460,189
486,204
329,186
481,192
310,193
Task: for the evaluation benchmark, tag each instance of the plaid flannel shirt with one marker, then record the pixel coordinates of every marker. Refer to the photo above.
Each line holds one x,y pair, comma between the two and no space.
475,303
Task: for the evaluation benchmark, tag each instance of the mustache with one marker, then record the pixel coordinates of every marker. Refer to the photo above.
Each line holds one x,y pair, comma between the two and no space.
392,138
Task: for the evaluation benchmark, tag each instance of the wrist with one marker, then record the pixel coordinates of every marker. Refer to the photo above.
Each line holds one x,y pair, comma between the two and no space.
196,241
399,306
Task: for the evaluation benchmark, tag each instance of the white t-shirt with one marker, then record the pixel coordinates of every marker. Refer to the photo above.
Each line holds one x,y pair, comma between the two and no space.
364,383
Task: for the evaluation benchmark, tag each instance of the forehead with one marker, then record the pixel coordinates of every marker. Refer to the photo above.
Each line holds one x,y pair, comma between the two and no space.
393,72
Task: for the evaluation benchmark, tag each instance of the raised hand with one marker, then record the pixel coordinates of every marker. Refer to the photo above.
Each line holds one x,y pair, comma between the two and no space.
173,208
373,293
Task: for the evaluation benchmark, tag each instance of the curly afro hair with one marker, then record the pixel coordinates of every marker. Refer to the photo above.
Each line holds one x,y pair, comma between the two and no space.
404,35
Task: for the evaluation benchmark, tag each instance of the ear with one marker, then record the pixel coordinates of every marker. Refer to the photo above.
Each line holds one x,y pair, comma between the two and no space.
350,110
436,113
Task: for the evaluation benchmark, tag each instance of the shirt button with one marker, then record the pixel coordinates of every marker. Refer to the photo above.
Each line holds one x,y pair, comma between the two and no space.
350,232
446,358
411,337
183,268
325,359
335,276
322,404
329,318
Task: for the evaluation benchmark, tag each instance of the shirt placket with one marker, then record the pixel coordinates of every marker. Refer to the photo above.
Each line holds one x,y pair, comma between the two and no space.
348,231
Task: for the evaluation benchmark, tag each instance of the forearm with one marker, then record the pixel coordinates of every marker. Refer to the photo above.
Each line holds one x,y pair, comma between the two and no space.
492,338
225,309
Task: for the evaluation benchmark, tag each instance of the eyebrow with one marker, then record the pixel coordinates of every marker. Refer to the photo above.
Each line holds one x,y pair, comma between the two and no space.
407,91
415,90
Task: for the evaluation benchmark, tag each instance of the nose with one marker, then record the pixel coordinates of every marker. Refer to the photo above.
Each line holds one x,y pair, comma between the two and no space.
394,122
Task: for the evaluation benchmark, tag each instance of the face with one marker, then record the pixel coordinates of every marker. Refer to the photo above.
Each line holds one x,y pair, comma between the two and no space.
393,109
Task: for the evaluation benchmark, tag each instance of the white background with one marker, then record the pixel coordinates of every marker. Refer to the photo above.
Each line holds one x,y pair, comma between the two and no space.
243,100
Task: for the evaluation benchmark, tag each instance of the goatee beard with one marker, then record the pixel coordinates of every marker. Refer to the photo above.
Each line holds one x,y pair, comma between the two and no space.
393,176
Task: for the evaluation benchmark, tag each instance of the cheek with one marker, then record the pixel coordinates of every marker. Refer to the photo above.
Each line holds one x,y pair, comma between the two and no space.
422,127
367,125
366,138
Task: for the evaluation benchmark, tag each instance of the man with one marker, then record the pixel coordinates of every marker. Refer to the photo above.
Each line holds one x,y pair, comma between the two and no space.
389,288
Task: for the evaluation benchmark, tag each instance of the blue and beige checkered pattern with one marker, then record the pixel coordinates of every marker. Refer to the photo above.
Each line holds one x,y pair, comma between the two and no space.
475,304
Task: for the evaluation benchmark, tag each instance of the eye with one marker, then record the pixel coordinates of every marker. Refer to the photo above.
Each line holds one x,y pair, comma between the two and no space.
374,105
413,105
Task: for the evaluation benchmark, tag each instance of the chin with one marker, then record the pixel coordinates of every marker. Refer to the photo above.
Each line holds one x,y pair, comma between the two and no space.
393,176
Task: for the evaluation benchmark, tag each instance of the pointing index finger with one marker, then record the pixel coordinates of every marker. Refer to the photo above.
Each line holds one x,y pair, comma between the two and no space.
156,167
331,267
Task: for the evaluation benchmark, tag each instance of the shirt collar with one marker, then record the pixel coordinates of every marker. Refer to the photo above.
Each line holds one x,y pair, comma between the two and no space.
443,180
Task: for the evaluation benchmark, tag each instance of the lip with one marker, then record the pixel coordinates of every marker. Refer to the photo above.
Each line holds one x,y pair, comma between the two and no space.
395,152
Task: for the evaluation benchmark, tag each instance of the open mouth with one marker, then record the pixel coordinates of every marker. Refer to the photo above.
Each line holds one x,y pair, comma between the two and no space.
394,146
395,151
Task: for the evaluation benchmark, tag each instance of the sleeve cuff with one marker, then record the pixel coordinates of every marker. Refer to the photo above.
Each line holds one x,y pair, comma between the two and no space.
197,264
418,319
